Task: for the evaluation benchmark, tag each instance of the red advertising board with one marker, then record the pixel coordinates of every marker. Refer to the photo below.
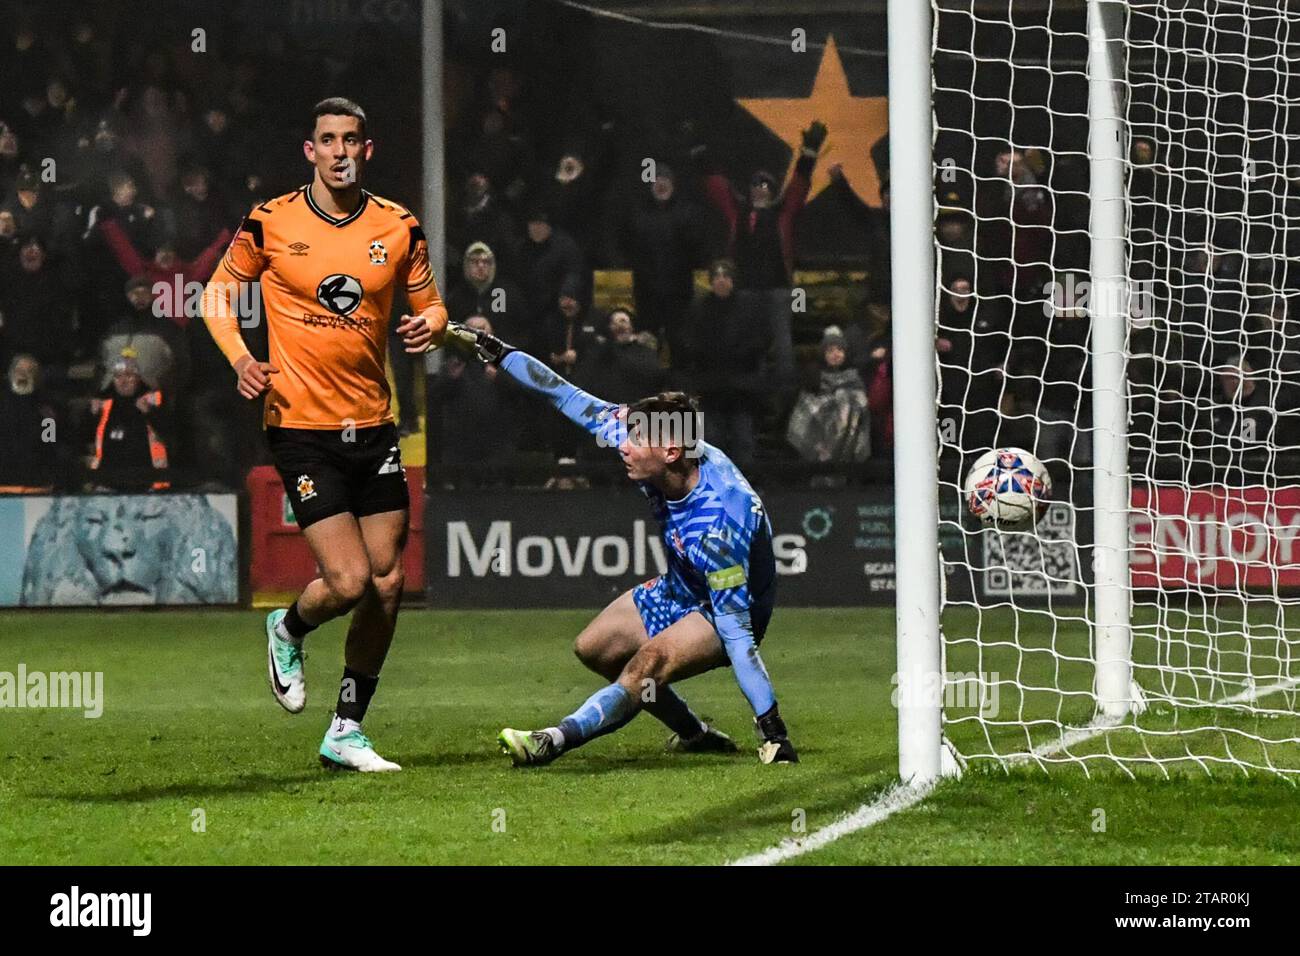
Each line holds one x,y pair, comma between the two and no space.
280,558
1215,536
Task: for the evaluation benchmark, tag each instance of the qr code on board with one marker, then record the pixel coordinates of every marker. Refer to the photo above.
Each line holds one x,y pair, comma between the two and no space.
1040,562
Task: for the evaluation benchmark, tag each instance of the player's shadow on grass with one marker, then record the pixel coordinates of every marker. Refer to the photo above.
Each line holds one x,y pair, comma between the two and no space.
433,759
589,760
771,812
246,783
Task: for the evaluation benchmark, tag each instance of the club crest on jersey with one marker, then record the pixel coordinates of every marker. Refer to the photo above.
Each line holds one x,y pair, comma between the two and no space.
678,543
339,293
306,488
378,254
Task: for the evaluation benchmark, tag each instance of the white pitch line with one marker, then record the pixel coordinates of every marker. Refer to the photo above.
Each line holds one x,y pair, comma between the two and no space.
895,798
902,796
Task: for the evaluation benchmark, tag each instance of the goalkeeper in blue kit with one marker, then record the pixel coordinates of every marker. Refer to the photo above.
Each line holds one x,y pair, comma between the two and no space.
712,606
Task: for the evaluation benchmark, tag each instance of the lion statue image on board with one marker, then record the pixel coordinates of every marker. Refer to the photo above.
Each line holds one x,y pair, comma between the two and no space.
131,549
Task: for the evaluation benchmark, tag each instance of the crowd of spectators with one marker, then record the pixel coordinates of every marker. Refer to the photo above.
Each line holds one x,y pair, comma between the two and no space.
529,245
125,163
122,172
123,167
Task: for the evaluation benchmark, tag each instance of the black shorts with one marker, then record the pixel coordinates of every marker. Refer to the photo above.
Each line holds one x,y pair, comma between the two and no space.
325,475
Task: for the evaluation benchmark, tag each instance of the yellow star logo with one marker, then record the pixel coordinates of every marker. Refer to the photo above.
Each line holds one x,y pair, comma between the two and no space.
854,124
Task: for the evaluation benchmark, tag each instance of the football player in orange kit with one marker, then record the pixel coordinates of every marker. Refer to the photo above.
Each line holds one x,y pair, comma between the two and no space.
329,256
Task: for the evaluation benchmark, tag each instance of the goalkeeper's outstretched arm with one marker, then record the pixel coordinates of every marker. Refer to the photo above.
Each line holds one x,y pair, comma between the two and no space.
598,417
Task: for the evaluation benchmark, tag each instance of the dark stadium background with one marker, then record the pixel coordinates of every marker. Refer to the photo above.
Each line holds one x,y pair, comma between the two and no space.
614,93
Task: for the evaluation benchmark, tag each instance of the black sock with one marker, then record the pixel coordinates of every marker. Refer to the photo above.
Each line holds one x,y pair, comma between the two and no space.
295,625
355,692
670,709
771,726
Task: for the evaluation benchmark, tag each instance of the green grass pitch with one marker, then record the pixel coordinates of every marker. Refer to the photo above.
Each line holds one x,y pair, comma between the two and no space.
190,725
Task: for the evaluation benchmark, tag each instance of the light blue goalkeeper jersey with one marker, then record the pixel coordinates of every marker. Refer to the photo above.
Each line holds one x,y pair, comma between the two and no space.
718,540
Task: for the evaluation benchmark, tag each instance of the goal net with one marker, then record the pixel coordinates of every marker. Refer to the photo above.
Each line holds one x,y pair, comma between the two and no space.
1179,375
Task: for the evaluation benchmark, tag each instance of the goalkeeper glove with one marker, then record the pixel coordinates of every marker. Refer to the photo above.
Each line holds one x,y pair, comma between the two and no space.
458,340
491,349
473,343
813,137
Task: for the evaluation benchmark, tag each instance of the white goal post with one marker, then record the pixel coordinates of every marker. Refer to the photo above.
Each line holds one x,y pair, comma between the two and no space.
1095,227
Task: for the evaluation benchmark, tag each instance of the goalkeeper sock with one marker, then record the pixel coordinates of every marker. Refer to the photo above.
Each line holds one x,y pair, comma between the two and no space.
669,708
603,712
292,627
770,725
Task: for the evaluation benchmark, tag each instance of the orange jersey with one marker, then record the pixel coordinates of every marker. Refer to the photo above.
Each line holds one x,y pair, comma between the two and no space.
327,291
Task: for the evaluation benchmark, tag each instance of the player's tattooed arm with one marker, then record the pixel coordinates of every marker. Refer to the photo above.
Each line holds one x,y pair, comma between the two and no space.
599,418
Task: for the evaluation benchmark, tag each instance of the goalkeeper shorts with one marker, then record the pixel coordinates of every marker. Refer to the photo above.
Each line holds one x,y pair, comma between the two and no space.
325,475
661,606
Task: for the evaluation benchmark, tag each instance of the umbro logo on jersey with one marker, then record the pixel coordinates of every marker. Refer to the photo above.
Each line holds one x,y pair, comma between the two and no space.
339,293
299,248
378,254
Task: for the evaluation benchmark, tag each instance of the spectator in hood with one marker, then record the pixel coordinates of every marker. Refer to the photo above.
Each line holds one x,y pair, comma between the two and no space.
570,192
37,318
569,330
484,291
727,341
663,240
481,218
568,343
225,149
200,216
130,453
158,346
833,423
501,154
836,374
549,258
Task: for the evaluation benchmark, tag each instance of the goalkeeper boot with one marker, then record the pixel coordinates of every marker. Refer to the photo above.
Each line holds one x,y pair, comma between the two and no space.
708,741
284,666
528,748
345,747
775,746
